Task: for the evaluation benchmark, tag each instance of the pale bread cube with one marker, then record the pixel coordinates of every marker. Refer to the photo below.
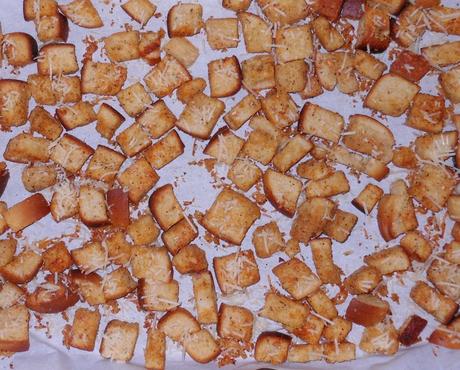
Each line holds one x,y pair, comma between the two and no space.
272,347
151,263
178,324
201,346
258,73
256,32
26,148
183,50
341,226
293,43
14,104
133,140
90,257
284,310
102,78
37,178
380,339
157,295
179,235
57,59
104,164
185,19
222,33
92,206
363,281
134,99
119,340
224,77
242,112
82,13
224,146
244,174
321,122
189,89
157,119
389,260
22,268
190,259
143,230
155,350
205,296
77,115
284,12
15,329
140,10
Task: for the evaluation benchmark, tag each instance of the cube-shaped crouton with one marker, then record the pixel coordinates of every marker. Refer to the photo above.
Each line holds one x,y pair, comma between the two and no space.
404,157
205,296
328,8
182,50
57,258
157,119
58,89
200,116
92,206
224,77
155,350
427,113
104,164
391,95
389,260
44,123
292,76
231,216
450,81
242,111
236,5
244,174
64,202
451,252
122,46
14,102
235,322
338,330
368,198
19,48
236,271
118,208
436,147
201,346
138,178
279,108
314,169
321,122
82,13
328,272
409,332
190,259
139,10
185,19
260,146
334,184
90,257
57,59
133,140
26,148
445,276
22,268
297,279
328,36
118,249
444,19
373,30
108,120
118,283
15,329
442,55
44,8
150,46
53,28
134,99
151,263
189,89
256,32
102,78
143,230
267,240
310,331
77,115
178,324
51,298
391,6
284,12
7,250
84,329
326,70
119,340
258,73
412,67
380,339
165,207
272,347
341,225
222,33
26,212
364,280
293,43
179,235
10,295
282,191
88,286
302,353
165,150
224,146
284,310
367,65
367,310
446,338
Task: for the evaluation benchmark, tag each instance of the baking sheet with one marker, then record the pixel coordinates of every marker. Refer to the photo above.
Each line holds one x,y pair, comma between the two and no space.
193,183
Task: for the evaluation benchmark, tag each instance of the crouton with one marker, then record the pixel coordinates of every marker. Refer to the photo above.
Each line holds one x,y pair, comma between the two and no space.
200,116
14,102
138,178
51,297
108,121
446,277
224,146
284,12
118,249
201,346
36,178
134,99
88,286
102,78
409,332
292,248
364,280
404,157
151,263
53,28
165,207
258,73
389,260
189,89
155,350
104,164
412,67
143,230
260,123
260,146
302,353
92,206
185,19
450,81
367,65
190,259
235,322
436,147
267,240
284,310
272,347
26,212
380,339
446,336
256,32
206,300
183,51
310,331
242,112
222,33
293,43
118,284
43,123
178,324
279,108
453,210
327,271
57,89
322,305
391,95
84,329
224,77
19,49
443,54
340,226
139,10
90,257
311,218
57,258
64,202
427,113
119,340
42,8
77,115
334,184
236,271
391,6
244,174
367,310
410,26
179,235
368,198
314,169
443,19
338,330
10,295
321,122
57,59
373,30
82,13
329,9
236,5
165,151
150,46
157,119
22,268
15,329
328,36
451,253
7,250
133,140
291,76
282,191
297,279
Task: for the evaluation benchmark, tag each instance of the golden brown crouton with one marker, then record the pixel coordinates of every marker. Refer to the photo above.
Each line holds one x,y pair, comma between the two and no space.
43,123
235,322
374,30
57,258
205,296
185,19
258,73
179,235
138,178
328,272
15,329
367,310
26,212
143,230
282,191
284,310
82,13
139,10
22,268
157,119
119,340
272,347
190,259
14,102
84,329
267,240
92,206
155,350
364,280
380,339
256,32
224,77
151,263
108,120
102,78
165,150
222,33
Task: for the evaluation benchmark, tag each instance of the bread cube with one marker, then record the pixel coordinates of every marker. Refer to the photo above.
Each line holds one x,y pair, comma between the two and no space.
284,12
279,108
258,73
57,258
43,8
242,112
108,120
368,198
119,340
26,212
58,89
185,20
310,331
389,260
444,19
92,206
404,157
367,65
118,208
450,81
77,115
14,102
204,293
322,305
284,310
314,169
53,28
139,10
373,30
37,178
303,353
138,178
341,226
15,329
190,259
260,146
19,48
178,324
84,329
256,32
104,164
26,148
453,204
134,99
235,322
118,284
443,54
165,207
451,252
409,332
102,78
330,9
222,33
155,350
157,295
293,43
338,330
427,113
326,70
446,336
267,240
364,280
10,295
436,147
82,13
224,146
143,230
157,119
367,310
380,339
189,89
292,76
133,140
151,263
201,346
224,77
410,26
282,191
272,347
57,59
182,50
43,123
165,151
321,122
328,36
118,249
179,235
89,286
412,67
327,271
236,5
150,46
7,250
244,174
89,258
51,298
334,184
22,268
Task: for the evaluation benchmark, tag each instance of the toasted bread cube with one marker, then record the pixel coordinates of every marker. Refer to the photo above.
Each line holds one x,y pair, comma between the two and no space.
389,260
412,67
443,54
22,268
134,99
284,12
241,112
314,169
297,278
151,263
236,5
231,216
15,329
453,210
259,122
64,202
260,146
329,9
391,6
90,257
182,50
201,346
118,208
364,280
313,87
293,43
157,119
291,76
139,10
204,293
367,310
416,246
14,102
118,283
43,123
367,65
321,122
311,218
284,310
165,151
7,250
19,48
341,226
89,286
334,184
244,174
303,353
26,212
258,73
445,276
256,32
84,329
150,46
409,332
391,95
58,89
138,178
327,271
267,240
451,252
328,36
282,191
444,19
368,198
410,26
224,77
102,78
338,330
119,340
42,300
185,20
436,147
427,113
450,81
77,115
189,89
380,339
179,235
157,295
279,108
42,8
310,331
3,209
224,146
235,322
118,249
92,206
155,350
236,271
222,33
57,258
272,347
322,304
108,120
10,295
404,157
36,178
446,336
133,140
143,230
178,324
104,164
57,59
53,28
165,207
190,259
200,116
292,248
374,30
82,13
